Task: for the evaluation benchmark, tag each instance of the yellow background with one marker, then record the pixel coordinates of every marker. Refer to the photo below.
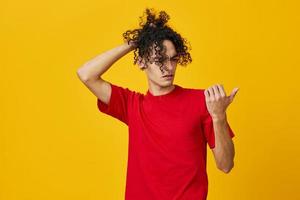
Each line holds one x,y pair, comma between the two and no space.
55,144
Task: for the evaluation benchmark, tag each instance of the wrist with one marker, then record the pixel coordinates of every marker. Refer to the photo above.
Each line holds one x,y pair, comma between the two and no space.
129,45
219,118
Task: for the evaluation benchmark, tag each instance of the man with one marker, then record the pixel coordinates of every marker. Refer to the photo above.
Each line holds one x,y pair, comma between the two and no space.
169,126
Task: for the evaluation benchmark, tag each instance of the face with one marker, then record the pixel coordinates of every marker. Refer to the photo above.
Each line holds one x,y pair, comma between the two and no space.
156,76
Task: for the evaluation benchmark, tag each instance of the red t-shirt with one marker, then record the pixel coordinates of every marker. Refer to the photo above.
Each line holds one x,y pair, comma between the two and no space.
167,142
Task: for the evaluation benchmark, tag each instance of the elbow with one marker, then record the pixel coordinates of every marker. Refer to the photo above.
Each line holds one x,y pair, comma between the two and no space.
85,76
227,169
81,75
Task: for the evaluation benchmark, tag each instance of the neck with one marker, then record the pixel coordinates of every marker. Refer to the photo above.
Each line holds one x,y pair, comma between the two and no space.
157,90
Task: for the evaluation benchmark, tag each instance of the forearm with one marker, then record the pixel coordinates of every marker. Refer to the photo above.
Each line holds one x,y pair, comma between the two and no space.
224,147
97,66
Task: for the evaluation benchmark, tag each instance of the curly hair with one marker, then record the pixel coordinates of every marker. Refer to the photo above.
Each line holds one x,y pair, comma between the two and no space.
151,34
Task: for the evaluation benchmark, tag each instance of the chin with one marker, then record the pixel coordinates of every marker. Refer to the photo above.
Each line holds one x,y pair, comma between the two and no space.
163,83
166,84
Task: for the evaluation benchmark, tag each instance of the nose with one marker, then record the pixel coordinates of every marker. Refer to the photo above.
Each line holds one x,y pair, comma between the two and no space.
168,66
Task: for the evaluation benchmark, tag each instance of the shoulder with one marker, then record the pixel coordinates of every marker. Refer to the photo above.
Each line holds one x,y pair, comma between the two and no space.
125,94
196,99
197,96
124,89
196,92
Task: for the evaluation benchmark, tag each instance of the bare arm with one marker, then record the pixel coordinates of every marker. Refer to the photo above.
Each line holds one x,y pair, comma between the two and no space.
94,68
217,102
224,147
90,73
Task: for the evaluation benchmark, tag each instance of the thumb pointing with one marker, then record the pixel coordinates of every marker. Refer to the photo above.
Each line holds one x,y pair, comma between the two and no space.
233,93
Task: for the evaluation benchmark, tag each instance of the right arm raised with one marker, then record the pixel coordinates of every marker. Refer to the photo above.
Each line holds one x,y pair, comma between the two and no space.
90,73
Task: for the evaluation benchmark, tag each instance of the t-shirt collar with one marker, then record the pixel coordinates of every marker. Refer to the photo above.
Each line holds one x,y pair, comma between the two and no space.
163,96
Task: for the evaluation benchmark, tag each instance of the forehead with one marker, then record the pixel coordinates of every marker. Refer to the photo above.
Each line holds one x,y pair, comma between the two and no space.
170,48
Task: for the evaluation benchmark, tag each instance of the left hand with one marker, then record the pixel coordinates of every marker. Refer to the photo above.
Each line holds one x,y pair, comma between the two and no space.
217,101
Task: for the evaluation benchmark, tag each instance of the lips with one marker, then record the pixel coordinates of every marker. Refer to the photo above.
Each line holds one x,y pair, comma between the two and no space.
169,75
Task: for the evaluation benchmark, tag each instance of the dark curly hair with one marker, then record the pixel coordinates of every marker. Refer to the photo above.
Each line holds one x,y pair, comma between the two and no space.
151,35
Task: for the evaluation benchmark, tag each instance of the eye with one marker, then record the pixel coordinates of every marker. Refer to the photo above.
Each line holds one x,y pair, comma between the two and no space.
175,59
156,59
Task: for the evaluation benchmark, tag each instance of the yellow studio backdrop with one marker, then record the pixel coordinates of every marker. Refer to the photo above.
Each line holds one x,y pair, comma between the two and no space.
55,144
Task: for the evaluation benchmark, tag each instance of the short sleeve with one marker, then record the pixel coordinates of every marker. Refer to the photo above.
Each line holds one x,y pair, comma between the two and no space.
207,125
118,105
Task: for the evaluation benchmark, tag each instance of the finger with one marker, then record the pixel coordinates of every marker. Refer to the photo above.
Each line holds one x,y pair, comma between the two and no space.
206,93
222,91
139,61
211,94
233,93
216,91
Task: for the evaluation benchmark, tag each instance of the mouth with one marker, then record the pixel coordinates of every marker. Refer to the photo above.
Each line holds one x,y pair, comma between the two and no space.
169,75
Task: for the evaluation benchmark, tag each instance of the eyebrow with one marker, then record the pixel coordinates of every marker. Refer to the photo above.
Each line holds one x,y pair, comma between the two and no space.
176,55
